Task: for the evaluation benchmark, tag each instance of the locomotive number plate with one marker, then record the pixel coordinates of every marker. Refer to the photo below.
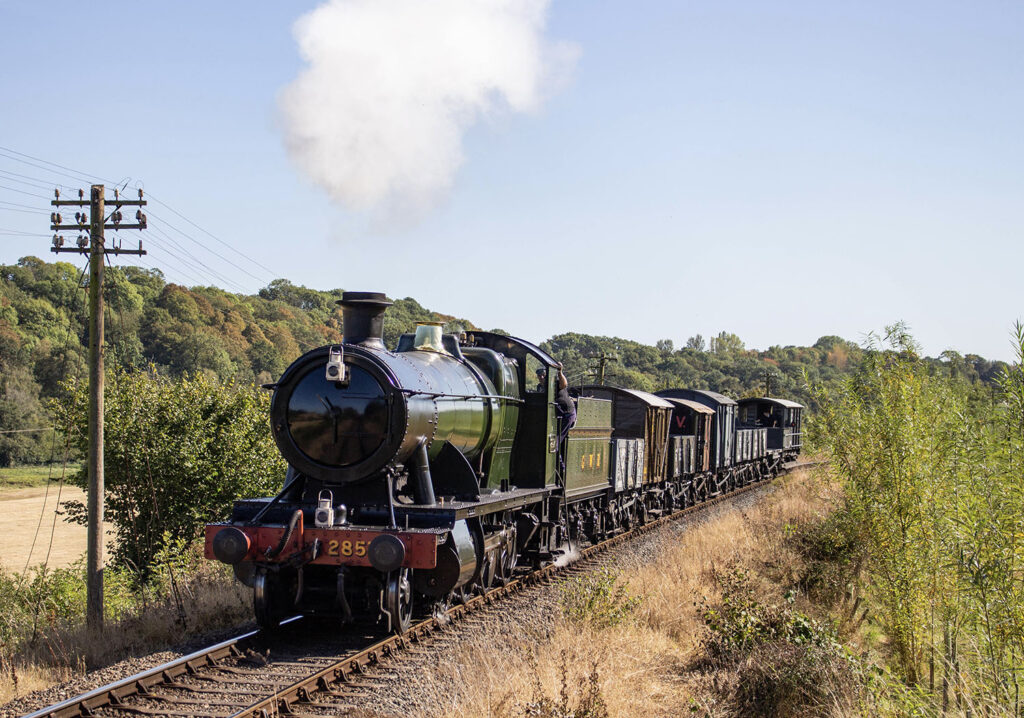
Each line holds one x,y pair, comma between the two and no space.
347,547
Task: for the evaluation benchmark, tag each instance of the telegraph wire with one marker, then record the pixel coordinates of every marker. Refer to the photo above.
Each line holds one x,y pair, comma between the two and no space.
56,507
163,273
270,271
16,233
190,272
47,169
93,178
24,207
190,237
177,269
80,176
21,191
23,211
198,265
192,261
41,180
35,234
27,180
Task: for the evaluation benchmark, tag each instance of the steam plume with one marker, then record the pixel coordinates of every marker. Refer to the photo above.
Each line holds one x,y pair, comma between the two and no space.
377,116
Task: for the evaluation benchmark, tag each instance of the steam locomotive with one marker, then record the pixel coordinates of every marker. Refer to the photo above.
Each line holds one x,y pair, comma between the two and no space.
421,475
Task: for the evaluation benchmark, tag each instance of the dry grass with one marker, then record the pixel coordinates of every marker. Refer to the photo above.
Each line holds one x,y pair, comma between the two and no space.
204,599
634,669
21,680
682,575
655,664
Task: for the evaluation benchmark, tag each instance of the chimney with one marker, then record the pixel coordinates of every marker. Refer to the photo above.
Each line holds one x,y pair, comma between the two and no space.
363,314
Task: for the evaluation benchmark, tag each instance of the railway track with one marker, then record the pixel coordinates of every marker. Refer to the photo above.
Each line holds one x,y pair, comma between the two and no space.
216,680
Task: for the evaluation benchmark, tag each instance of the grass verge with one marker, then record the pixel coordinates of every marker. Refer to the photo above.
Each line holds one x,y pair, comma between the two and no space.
717,625
43,639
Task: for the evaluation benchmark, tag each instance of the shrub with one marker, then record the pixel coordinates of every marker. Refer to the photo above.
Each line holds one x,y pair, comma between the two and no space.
597,599
834,555
740,622
178,452
786,679
785,663
931,474
42,613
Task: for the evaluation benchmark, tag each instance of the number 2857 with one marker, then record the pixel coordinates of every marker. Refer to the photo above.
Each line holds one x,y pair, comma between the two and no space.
347,548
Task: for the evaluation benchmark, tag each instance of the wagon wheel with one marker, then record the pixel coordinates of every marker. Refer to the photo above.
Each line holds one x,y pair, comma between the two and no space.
668,502
642,516
398,601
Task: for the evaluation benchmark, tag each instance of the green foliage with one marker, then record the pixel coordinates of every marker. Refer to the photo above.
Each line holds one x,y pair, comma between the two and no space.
44,596
21,407
178,452
834,557
28,476
597,599
786,663
740,621
931,469
728,367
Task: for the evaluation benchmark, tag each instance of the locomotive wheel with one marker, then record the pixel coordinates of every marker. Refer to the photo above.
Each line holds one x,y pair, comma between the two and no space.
487,573
506,563
398,600
269,600
461,596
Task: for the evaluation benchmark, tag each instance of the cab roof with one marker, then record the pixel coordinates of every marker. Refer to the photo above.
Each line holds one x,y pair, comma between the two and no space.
695,405
785,403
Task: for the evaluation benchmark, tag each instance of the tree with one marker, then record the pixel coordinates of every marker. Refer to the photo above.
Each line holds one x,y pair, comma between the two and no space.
178,453
298,296
21,409
726,344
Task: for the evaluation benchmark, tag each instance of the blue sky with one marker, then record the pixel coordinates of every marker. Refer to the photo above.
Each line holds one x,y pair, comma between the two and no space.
778,170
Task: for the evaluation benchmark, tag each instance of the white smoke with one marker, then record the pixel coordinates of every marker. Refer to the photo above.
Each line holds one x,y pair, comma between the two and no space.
377,117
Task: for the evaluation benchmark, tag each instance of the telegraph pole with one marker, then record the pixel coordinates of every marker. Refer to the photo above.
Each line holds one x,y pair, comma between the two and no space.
95,246
768,382
603,359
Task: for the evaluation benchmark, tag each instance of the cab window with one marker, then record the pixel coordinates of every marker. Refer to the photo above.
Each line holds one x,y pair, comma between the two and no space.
536,375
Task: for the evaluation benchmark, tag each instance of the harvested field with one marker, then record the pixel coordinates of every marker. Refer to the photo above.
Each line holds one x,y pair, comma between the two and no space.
20,511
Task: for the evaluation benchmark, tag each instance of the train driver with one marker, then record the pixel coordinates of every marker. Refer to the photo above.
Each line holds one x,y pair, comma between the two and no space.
565,409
